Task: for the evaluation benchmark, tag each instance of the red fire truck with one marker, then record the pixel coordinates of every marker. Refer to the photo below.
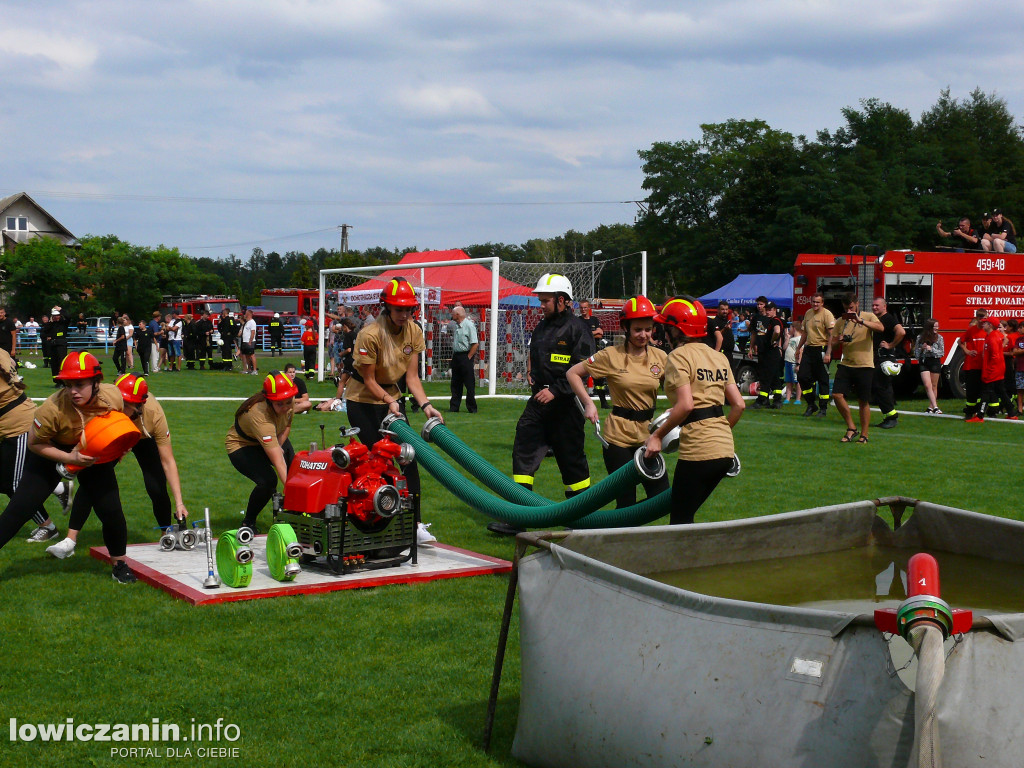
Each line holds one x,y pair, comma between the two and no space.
291,302
917,285
195,304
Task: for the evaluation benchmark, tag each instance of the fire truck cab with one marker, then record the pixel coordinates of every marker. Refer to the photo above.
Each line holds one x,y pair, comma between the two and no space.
917,285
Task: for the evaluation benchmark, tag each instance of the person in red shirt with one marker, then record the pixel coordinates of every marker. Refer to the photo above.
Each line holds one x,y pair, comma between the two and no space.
973,344
993,373
309,349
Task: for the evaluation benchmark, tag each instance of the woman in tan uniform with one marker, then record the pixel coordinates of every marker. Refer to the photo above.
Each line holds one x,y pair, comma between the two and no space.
257,442
386,354
155,457
698,382
55,438
634,371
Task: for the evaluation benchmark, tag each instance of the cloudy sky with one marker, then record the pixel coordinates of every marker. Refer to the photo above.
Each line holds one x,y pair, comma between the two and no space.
220,125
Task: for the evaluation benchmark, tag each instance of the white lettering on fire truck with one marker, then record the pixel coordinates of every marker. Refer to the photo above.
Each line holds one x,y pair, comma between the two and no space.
312,464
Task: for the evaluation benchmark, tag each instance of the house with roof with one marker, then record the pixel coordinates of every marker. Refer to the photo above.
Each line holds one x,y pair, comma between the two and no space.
22,218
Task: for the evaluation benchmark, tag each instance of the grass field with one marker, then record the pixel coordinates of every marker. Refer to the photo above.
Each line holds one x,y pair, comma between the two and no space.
394,676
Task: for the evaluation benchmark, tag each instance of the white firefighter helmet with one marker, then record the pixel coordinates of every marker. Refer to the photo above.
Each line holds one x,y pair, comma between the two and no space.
552,283
891,367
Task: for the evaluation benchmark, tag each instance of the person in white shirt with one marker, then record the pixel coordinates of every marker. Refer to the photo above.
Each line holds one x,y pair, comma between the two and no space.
173,343
248,348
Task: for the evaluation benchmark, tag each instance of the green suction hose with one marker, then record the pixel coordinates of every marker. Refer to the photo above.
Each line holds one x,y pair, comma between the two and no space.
435,431
639,514
554,514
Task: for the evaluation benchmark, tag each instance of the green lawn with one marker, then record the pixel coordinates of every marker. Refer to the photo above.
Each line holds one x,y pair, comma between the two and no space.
394,676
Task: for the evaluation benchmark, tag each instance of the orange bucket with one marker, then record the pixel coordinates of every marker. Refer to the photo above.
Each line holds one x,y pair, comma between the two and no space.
107,438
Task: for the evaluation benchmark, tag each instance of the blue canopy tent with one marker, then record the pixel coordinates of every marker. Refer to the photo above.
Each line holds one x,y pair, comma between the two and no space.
744,290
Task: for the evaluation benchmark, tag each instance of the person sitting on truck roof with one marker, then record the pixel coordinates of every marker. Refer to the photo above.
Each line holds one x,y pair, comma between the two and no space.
964,236
1001,237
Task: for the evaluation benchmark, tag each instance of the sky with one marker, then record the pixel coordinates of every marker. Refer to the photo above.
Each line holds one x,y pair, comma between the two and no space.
218,126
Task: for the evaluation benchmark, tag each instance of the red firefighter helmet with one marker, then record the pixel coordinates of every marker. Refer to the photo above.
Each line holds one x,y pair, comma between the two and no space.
79,365
399,293
637,308
134,389
685,313
277,386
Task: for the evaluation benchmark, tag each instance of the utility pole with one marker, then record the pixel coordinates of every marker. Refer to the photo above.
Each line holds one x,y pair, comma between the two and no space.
344,238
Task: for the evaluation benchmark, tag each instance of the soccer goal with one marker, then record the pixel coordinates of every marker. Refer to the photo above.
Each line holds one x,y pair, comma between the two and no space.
497,295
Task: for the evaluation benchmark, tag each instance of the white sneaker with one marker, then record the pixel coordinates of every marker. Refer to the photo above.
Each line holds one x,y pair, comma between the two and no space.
62,549
63,494
423,536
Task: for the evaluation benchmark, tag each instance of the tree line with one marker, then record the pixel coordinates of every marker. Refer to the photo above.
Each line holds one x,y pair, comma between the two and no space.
742,198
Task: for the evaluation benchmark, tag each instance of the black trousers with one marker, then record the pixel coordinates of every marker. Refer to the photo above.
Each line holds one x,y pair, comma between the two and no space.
252,461
557,425
120,358
148,456
13,452
994,395
309,360
203,350
692,483
616,456
463,377
57,354
97,487
275,344
769,373
972,392
813,371
881,392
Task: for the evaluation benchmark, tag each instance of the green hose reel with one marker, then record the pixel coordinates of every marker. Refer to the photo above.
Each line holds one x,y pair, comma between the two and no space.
283,552
234,560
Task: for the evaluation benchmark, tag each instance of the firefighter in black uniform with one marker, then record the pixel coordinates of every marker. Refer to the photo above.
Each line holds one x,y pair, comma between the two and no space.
551,418
203,331
58,341
276,328
188,341
228,330
769,359
587,315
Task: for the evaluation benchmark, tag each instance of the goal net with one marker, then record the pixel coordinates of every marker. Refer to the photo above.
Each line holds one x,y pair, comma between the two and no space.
505,311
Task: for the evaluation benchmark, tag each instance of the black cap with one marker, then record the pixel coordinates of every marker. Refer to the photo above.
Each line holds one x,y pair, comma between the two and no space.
770,305
997,211
986,215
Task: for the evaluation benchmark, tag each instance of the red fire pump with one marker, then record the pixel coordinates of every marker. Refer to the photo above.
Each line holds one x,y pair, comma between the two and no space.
350,504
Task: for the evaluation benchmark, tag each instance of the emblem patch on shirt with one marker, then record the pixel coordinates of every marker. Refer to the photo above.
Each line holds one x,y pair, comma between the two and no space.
656,369
362,351
590,359
267,438
407,350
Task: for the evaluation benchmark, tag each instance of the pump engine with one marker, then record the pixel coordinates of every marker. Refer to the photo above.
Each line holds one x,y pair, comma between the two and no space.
350,504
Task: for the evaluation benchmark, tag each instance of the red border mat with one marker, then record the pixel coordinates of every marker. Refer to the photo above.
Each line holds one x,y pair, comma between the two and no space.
181,574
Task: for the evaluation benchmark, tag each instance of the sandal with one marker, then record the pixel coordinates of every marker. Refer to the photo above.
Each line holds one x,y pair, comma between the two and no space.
848,437
862,439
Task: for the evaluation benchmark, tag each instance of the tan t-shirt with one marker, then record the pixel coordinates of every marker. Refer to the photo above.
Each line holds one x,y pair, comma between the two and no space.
859,352
263,425
818,327
707,372
633,381
369,348
17,420
60,423
152,422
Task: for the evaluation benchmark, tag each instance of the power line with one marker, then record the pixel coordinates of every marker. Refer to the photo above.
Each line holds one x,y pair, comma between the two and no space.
104,196
255,242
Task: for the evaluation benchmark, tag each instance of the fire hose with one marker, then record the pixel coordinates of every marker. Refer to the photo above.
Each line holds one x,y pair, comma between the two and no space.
529,515
638,514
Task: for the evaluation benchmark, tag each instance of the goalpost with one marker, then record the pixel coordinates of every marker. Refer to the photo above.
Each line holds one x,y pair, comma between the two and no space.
505,320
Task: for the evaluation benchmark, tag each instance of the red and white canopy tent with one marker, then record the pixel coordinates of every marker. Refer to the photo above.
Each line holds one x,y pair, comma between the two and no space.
457,278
